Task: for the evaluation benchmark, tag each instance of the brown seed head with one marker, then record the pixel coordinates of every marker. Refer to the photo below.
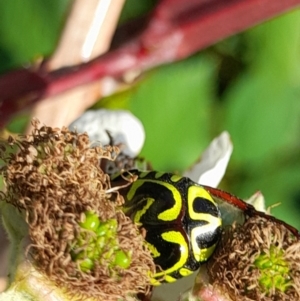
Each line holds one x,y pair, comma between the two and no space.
55,177
259,260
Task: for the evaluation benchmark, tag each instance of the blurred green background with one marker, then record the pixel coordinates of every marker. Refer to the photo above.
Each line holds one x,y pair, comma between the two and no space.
248,84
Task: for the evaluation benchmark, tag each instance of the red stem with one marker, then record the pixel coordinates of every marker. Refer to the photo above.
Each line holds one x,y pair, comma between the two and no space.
176,29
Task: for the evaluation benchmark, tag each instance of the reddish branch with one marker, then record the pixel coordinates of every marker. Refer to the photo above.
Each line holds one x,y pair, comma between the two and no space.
176,29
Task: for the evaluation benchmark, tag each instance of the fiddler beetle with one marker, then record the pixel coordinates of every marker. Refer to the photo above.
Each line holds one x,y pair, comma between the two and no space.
182,219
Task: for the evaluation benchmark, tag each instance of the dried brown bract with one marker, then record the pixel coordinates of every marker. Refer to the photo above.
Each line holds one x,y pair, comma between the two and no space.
54,178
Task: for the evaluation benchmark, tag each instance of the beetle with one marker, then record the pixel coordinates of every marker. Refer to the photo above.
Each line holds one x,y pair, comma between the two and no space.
182,219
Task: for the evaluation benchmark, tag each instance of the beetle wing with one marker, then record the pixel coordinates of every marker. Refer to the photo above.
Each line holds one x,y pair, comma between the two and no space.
234,209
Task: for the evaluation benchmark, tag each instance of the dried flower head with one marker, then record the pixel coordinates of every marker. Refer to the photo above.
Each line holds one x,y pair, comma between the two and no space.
79,236
259,260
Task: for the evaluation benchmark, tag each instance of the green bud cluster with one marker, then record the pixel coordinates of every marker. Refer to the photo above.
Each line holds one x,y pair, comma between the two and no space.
274,270
98,242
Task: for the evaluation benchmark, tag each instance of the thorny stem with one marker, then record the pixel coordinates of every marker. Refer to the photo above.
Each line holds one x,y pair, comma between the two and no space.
175,30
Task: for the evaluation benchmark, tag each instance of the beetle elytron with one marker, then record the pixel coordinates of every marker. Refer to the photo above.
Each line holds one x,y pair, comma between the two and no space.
181,218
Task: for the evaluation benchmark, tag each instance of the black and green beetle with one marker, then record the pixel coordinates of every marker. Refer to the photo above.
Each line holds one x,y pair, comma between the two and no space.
182,219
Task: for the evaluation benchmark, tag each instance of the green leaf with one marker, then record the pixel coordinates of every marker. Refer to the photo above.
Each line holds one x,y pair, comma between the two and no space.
135,8
280,186
173,104
262,112
29,29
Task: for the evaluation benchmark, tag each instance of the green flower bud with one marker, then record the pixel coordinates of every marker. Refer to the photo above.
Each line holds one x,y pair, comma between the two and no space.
86,264
90,221
122,259
274,270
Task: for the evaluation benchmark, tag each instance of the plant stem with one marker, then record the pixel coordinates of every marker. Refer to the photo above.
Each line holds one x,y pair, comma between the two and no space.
175,31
